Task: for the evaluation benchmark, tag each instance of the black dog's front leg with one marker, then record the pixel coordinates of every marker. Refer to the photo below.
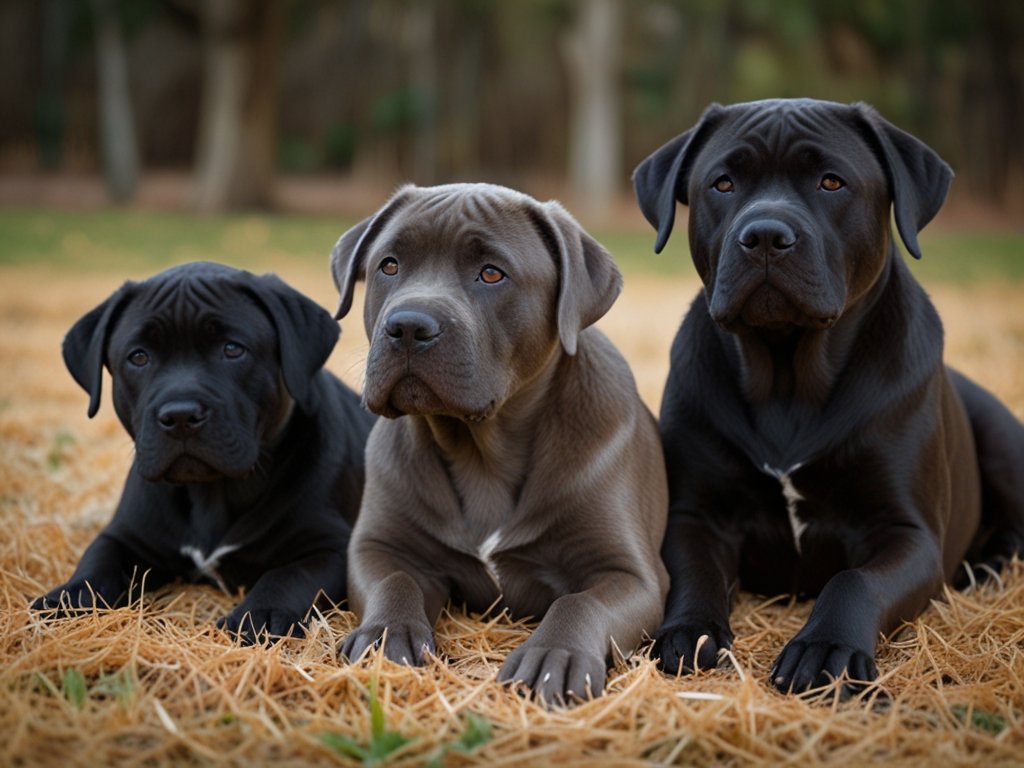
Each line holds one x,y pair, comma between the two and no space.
894,584
703,568
278,602
106,572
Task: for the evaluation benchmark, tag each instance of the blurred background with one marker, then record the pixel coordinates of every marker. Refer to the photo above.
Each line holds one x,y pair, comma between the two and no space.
326,105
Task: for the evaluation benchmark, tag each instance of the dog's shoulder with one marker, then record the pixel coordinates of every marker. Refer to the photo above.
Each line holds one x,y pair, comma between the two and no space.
598,373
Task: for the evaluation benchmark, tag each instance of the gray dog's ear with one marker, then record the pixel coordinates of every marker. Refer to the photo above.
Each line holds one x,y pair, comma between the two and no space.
589,282
663,177
918,178
306,334
85,345
348,258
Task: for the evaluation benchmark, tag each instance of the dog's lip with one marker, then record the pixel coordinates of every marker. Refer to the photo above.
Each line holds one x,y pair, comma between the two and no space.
732,310
733,320
407,394
411,395
188,468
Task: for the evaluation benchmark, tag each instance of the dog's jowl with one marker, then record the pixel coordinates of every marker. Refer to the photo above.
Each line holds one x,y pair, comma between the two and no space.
518,465
816,443
248,467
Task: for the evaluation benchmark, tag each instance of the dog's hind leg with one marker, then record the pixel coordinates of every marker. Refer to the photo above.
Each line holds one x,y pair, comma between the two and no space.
999,443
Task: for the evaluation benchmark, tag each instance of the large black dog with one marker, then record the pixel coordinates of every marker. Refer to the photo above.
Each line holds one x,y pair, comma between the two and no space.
248,466
816,443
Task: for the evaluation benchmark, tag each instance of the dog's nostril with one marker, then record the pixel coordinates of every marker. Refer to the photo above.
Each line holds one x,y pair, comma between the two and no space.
783,241
182,417
412,327
775,235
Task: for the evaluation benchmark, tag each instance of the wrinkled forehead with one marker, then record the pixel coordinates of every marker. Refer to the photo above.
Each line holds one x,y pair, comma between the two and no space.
814,132
179,307
459,219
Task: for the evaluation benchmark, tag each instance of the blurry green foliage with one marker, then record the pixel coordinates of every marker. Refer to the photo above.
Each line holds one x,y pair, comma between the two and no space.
138,243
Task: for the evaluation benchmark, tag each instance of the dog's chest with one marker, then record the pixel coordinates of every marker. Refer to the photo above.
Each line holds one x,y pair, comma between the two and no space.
792,497
487,508
208,564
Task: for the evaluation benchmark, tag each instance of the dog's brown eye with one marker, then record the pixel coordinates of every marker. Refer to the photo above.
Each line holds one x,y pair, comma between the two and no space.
724,184
234,350
830,183
138,358
389,267
491,275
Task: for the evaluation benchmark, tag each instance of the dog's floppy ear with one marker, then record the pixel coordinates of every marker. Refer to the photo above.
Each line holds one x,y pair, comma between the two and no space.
662,178
918,178
85,345
588,279
348,258
306,334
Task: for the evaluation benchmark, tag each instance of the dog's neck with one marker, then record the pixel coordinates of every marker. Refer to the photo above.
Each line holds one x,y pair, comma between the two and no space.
800,366
815,383
217,506
488,462
496,442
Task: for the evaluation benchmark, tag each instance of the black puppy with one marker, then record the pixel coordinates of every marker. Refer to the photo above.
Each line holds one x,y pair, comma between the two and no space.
815,442
248,466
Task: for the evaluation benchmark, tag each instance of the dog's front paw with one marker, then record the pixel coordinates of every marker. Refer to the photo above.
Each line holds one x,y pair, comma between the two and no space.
403,643
79,596
556,675
688,647
807,664
254,623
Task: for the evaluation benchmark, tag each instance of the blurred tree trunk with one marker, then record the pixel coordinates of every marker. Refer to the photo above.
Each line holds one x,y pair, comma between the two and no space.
120,149
50,115
420,37
465,85
992,112
593,51
238,127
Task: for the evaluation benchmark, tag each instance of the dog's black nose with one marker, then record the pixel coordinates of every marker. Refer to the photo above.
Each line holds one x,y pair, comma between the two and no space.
767,237
182,418
411,329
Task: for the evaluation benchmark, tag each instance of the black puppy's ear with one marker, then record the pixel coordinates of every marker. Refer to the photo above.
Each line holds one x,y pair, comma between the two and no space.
918,178
85,345
662,178
306,334
348,258
589,281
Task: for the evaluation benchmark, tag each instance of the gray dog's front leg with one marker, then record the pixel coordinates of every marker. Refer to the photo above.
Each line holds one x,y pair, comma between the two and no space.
566,657
392,597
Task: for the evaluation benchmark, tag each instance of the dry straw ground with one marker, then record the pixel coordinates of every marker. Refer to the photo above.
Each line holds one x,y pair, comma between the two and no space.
157,684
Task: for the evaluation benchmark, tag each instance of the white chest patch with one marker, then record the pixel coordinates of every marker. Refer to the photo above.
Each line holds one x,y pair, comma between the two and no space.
792,496
484,554
208,564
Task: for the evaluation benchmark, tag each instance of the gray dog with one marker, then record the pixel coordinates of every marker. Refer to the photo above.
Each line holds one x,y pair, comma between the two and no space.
517,461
